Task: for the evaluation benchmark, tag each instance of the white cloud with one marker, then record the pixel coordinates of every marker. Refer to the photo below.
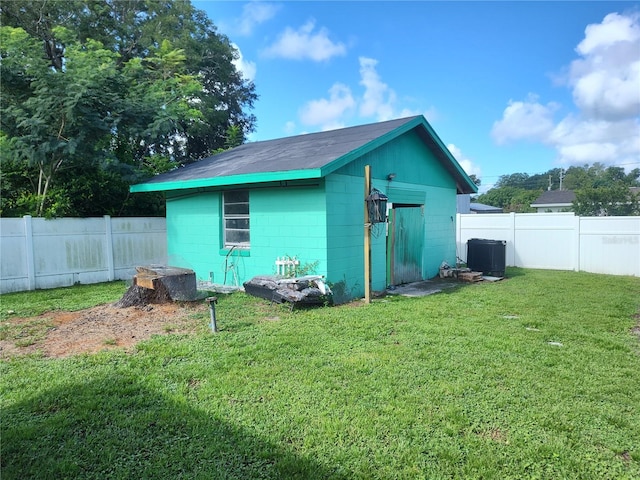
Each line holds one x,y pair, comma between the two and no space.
378,99
253,14
247,68
328,112
606,79
605,84
527,120
289,127
305,44
614,28
466,163
580,141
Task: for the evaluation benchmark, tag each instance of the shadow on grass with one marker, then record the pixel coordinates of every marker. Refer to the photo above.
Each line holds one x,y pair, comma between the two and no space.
512,272
117,428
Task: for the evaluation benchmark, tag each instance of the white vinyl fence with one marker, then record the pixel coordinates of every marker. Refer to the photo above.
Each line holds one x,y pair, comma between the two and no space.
558,241
37,253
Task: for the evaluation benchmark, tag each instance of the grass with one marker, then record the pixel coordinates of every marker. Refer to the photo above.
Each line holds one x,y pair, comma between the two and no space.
39,302
537,376
27,333
70,299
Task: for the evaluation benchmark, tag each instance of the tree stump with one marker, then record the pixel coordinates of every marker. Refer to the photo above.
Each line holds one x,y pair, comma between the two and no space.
159,284
137,296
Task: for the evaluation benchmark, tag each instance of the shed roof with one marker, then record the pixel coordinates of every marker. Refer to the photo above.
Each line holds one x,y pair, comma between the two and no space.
308,156
482,208
554,197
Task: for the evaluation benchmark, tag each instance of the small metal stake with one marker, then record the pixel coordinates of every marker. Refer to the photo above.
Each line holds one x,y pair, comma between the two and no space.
212,309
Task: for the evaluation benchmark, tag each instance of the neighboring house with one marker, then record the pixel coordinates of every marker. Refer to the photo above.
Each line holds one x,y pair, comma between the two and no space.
466,206
463,203
230,216
554,201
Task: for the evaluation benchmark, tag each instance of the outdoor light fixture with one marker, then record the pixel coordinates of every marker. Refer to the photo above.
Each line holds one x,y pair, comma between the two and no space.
377,206
391,176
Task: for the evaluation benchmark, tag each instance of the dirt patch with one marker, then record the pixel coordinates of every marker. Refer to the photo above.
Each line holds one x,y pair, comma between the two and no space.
626,457
636,329
494,434
103,327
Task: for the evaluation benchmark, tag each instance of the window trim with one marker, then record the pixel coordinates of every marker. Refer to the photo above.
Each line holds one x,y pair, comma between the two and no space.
235,216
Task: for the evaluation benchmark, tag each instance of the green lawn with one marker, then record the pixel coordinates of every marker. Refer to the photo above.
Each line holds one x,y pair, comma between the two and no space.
537,376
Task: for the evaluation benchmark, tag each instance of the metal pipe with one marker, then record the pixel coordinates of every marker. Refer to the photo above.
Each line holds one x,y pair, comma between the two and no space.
212,310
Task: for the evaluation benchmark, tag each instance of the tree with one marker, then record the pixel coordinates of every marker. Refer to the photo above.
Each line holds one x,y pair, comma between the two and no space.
48,124
617,200
526,181
515,180
124,90
510,199
474,178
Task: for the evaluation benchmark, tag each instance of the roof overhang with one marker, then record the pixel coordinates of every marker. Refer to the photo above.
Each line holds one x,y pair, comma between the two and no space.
232,180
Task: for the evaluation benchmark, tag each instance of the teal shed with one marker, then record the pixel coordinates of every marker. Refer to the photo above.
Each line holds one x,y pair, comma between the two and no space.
230,216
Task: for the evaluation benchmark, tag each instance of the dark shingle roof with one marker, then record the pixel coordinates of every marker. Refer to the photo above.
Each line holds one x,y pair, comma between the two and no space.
552,197
302,156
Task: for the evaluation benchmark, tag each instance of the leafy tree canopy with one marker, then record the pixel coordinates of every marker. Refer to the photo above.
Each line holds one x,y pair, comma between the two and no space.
616,200
510,199
98,94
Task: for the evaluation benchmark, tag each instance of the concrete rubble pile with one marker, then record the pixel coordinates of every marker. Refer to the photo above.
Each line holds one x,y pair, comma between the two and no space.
307,290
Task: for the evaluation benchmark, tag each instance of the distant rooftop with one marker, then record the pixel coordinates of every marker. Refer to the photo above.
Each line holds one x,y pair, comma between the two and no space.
482,208
555,197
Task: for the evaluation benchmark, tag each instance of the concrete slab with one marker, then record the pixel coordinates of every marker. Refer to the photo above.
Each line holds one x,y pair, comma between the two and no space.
217,287
423,288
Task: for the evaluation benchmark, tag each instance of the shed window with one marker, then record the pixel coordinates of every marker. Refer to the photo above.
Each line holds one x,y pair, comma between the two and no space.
236,218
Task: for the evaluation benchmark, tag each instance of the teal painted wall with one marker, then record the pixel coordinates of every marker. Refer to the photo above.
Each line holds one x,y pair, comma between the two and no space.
345,239
440,216
283,221
345,236
422,178
193,232
409,158
288,221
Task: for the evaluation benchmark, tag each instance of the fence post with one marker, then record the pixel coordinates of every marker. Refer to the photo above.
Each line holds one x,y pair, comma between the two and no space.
111,275
458,237
28,248
511,261
576,242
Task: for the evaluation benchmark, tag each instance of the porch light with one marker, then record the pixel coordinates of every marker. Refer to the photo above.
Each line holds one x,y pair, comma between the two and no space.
377,206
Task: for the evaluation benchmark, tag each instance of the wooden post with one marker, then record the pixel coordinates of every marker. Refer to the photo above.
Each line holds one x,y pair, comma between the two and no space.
367,236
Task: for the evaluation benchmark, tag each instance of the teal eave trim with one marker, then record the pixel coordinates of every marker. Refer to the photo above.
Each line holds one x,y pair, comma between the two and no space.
244,179
462,175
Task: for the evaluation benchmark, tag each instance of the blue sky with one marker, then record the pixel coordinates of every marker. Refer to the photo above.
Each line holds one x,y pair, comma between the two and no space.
508,86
